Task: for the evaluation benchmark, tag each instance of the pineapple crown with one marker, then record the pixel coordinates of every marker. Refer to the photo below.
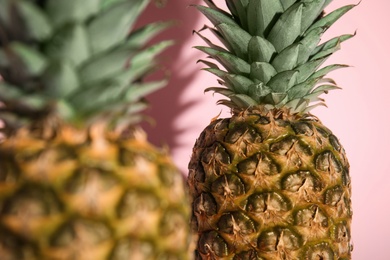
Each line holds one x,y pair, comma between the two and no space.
80,59
271,52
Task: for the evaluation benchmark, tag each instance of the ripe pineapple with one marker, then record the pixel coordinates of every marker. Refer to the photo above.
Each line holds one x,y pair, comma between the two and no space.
271,182
75,181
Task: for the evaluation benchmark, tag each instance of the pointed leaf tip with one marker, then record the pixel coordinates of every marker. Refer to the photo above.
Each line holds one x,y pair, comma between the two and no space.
287,28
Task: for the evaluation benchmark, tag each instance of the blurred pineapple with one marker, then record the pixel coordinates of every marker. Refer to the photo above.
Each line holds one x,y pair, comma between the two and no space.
77,179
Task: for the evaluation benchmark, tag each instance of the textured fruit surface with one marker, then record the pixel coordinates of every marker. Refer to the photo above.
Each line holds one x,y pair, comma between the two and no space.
270,185
90,197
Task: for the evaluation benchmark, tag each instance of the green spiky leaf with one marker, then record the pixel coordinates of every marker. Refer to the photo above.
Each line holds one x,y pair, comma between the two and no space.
297,105
260,15
326,52
64,11
311,10
239,83
39,26
139,90
211,65
243,101
308,45
322,72
216,17
325,88
276,99
262,71
287,28
113,63
307,69
287,59
237,38
260,50
310,108
113,25
331,18
219,36
76,59
34,62
106,65
300,90
331,45
222,91
71,43
213,6
283,81
9,92
209,43
105,4
238,9
219,73
259,91
286,3
231,62
283,53
142,35
326,3
60,80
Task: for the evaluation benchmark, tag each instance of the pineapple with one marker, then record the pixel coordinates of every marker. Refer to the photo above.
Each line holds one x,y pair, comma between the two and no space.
271,181
78,180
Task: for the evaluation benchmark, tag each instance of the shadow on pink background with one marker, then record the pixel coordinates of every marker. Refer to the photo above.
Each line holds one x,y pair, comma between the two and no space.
358,114
167,106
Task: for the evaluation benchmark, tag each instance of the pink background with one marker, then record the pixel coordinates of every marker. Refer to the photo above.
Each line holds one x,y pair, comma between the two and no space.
358,114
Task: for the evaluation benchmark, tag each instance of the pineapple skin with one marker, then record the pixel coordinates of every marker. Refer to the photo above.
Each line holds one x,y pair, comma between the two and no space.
270,185
90,195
